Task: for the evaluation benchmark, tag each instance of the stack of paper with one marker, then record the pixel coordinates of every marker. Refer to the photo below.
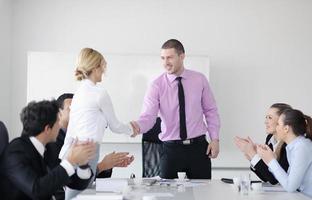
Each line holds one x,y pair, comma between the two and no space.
99,197
110,185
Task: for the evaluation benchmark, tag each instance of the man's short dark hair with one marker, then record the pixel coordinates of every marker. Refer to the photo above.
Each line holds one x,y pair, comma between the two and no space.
60,100
175,44
36,115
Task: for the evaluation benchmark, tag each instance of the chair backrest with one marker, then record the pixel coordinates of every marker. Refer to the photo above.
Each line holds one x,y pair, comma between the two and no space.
4,137
151,151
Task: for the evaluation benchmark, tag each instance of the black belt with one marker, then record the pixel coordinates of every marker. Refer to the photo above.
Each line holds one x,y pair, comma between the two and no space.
198,139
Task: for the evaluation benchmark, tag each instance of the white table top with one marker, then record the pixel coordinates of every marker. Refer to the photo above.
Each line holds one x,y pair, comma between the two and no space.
209,189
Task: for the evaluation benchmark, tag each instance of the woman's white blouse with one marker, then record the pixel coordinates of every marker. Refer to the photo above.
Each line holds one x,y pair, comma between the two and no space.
91,112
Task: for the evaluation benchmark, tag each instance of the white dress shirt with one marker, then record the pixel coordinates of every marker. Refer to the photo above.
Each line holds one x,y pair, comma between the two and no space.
91,112
299,174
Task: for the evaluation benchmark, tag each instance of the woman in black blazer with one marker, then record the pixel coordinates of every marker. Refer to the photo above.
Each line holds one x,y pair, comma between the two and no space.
249,149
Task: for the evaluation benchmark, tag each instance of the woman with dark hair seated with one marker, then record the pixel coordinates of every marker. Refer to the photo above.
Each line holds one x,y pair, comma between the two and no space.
248,147
293,128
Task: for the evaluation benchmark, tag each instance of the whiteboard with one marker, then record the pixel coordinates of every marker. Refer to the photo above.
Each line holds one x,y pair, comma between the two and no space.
127,78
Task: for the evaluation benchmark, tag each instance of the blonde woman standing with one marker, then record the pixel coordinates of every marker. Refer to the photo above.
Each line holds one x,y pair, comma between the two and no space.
91,109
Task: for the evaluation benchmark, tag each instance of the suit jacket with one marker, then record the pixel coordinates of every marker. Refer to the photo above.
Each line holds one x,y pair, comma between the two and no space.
53,150
51,155
27,176
262,170
4,137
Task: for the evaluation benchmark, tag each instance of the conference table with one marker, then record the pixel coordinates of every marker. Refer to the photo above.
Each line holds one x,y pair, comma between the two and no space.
192,190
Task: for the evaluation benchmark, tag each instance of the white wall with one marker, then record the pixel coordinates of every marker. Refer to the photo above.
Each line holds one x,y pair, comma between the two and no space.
260,50
5,59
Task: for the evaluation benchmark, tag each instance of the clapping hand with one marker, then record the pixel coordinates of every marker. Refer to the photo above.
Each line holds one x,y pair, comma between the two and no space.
265,153
80,153
126,162
119,159
247,146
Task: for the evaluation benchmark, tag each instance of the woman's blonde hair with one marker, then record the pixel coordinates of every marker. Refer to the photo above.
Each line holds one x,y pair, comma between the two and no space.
88,59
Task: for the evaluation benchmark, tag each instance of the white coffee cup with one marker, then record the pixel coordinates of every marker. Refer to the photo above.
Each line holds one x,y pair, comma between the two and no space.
256,187
181,175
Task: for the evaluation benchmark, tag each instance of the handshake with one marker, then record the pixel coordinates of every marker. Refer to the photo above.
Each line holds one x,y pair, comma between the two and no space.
135,128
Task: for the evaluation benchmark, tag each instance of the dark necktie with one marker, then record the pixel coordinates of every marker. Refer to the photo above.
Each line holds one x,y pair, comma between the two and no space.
183,132
59,191
271,146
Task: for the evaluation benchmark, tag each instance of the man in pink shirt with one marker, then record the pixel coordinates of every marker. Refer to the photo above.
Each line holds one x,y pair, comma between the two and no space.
185,103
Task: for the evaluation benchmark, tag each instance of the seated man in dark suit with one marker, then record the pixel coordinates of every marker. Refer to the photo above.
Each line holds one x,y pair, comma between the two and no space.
104,168
4,137
26,174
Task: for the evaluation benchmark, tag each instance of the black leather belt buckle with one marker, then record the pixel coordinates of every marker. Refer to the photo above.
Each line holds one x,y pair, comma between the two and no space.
188,141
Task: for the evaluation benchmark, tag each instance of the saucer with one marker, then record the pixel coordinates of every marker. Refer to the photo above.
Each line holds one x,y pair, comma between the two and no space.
181,180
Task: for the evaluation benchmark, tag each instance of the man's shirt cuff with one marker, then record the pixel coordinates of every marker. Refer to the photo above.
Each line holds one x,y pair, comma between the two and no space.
69,168
84,173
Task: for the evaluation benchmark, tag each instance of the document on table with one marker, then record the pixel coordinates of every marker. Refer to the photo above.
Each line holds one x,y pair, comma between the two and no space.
185,182
102,196
110,185
158,194
272,188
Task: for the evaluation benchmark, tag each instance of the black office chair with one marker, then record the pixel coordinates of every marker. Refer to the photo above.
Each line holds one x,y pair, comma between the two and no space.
151,150
4,137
